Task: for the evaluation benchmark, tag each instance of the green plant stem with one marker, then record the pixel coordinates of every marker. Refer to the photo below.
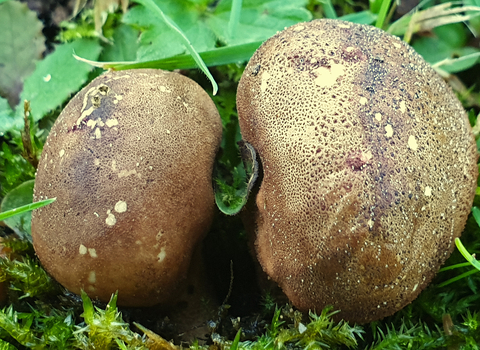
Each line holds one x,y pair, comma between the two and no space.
234,18
382,14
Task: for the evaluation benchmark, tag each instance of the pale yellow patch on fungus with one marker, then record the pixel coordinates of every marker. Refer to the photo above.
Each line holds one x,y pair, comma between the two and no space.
363,101
92,252
91,123
92,277
111,122
98,133
412,143
428,191
327,76
82,249
125,173
62,153
264,84
161,256
388,131
378,116
403,107
110,220
121,207
370,223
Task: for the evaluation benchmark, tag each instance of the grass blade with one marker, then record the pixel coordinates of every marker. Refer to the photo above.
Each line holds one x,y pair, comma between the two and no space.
198,60
25,208
466,254
215,57
234,18
382,15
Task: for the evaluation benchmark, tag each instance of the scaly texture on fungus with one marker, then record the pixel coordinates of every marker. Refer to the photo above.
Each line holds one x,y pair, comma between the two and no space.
130,161
369,166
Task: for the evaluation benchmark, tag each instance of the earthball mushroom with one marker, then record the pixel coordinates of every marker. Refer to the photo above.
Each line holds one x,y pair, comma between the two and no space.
130,162
369,167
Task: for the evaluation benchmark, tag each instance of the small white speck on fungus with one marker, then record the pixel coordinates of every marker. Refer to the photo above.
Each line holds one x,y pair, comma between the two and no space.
428,191
264,84
82,249
92,277
111,122
121,207
92,252
110,220
327,76
412,143
388,131
161,256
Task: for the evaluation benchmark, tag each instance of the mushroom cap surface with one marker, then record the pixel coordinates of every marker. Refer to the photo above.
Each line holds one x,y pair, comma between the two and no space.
369,167
130,162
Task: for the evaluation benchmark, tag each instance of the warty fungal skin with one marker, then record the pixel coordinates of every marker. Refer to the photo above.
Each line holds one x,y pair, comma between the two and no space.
130,162
369,167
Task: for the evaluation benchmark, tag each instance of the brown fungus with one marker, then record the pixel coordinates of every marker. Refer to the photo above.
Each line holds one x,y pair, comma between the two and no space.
130,162
369,167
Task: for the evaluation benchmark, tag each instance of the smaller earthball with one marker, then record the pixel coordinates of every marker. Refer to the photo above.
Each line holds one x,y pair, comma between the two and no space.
130,162
369,167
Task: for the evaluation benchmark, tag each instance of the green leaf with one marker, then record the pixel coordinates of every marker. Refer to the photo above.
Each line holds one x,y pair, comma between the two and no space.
382,14
476,215
236,341
158,40
54,80
363,17
124,47
19,196
58,76
25,208
230,199
259,19
6,115
22,44
447,48
88,310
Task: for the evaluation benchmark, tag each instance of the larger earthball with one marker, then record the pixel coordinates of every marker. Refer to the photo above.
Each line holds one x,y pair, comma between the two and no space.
369,167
